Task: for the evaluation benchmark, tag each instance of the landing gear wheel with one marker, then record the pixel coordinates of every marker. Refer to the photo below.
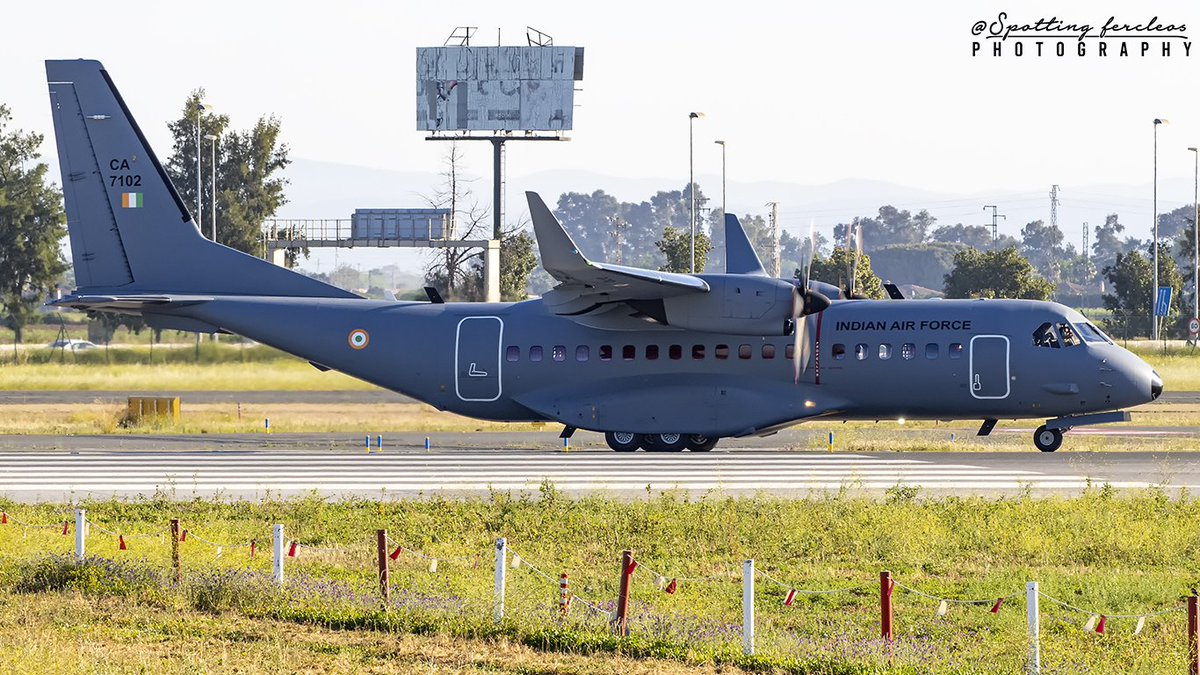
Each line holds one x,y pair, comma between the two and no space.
623,441
697,443
665,442
1047,440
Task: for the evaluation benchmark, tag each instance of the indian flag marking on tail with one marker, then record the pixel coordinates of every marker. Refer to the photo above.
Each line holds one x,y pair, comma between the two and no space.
131,200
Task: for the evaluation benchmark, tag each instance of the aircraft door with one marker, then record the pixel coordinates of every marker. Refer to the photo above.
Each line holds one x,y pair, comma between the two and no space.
477,358
989,366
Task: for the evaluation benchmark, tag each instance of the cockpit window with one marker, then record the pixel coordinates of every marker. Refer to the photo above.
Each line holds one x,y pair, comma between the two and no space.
1069,337
1090,333
1045,336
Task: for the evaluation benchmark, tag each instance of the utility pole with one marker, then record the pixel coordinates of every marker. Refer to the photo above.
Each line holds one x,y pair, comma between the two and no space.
774,238
1054,206
995,228
618,225
1086,256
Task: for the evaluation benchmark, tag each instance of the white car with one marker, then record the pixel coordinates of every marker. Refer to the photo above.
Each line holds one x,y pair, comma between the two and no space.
73,345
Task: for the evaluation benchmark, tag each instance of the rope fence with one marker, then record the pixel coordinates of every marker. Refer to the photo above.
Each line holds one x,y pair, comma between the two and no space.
389,550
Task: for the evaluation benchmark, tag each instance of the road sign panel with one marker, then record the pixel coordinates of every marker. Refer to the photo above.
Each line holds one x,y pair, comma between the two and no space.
1163,301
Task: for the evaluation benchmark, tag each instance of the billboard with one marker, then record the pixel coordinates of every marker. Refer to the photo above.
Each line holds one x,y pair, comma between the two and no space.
399,224
497,88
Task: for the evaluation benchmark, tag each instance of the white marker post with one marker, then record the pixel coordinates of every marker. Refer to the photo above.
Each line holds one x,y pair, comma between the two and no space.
748,607
501,564
1034,665
277,562
80,534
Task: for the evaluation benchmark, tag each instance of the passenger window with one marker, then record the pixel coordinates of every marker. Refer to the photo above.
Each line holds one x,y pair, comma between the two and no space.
513,353
1069,338
907,351
722,351
606,352
885,351
955,351
860,351
582,353
629,352
558,353
768,351
745,352
651,352
931,350
535,353
839,352
697,351
675,352
789,351
1045,336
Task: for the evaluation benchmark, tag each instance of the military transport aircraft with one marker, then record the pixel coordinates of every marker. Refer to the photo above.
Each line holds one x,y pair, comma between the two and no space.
655,360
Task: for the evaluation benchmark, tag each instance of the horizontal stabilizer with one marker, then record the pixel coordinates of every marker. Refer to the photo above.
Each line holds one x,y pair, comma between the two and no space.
134,304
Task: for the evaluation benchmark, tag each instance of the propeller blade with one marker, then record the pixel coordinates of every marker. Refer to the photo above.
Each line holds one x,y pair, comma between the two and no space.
800,324
812,251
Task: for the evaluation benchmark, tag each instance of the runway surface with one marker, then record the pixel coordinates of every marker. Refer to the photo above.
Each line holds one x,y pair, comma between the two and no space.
257,473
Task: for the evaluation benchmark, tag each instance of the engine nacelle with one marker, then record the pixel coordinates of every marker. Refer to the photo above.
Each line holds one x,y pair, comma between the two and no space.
738,304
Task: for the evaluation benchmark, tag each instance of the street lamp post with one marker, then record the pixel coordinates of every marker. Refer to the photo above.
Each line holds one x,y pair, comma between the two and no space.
1196,236
692,182
1154,289
199,186
723,207
213,139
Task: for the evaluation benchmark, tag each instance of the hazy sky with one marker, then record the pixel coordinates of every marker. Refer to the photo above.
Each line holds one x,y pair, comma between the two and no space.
809,93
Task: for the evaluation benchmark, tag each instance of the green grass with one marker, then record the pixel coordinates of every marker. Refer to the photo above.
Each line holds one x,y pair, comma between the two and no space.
1116,554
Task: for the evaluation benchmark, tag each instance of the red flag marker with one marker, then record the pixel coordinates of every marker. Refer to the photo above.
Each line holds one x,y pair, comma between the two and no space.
183,536
791,597
670,589
996,607
121,542
3,518
396,554
253,547
1100,625
292,550
64,528
631,567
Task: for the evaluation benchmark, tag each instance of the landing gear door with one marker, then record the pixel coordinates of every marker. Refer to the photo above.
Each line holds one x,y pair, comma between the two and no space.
477,358
989,367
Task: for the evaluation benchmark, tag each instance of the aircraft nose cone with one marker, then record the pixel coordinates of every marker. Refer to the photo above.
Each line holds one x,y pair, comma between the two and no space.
1156,386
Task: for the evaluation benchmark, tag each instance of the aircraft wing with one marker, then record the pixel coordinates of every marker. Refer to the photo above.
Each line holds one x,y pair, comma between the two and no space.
585,285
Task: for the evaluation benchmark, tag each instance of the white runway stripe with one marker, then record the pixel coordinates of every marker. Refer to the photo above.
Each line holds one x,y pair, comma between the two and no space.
254,473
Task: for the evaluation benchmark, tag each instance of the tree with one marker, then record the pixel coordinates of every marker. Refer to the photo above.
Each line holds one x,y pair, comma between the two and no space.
1107,242
1042,246
889,226
994,274
249,189
1130,277
517,262
31,226
836,270
676,247
453,270
919,264
975,236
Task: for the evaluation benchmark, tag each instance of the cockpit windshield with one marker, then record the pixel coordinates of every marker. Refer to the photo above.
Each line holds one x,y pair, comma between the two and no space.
1056,336
1090,333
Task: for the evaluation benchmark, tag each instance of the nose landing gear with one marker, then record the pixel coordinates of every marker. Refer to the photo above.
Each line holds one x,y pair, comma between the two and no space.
1047,440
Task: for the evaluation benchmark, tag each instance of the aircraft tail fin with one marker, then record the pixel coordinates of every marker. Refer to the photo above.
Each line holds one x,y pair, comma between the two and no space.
740,257
130,231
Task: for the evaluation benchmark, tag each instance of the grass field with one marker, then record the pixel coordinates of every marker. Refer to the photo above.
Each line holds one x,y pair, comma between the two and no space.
1112,554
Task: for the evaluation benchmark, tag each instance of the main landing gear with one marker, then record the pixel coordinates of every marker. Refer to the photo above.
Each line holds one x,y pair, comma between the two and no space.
625,441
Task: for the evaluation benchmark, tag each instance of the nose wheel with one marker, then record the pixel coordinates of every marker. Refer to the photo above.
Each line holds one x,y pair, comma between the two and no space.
1047,440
